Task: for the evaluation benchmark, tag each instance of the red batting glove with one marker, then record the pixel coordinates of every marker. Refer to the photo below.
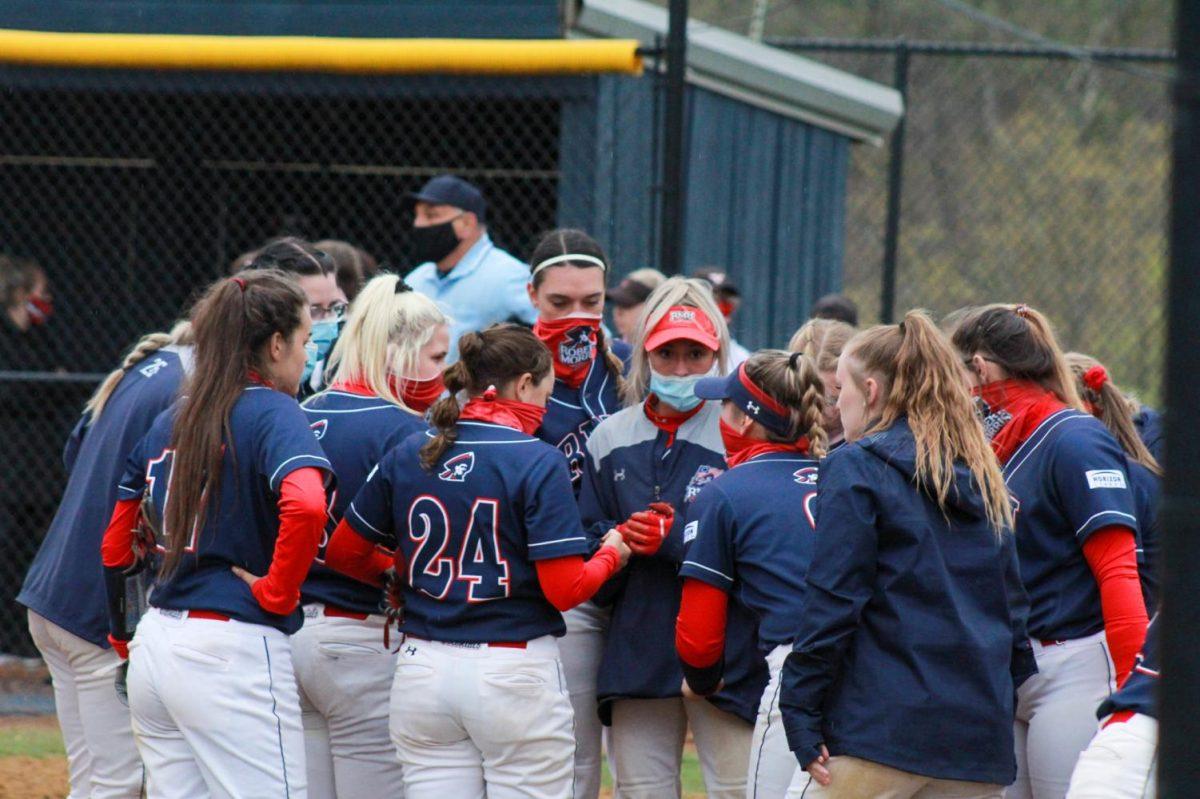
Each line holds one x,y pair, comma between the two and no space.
646,530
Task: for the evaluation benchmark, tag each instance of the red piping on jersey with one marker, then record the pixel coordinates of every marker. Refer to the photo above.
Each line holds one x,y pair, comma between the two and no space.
301,522
1029,404
116,549
668,424
700,627
354,556
569,580
1110,552
1120,717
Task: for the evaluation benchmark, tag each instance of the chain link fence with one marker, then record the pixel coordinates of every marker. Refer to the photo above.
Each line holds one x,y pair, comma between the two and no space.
132,190
1028,175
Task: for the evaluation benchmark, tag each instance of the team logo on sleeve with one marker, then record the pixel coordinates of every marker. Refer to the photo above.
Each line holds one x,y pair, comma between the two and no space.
457,468
579,346
703,476
319,427
806,476
1105,478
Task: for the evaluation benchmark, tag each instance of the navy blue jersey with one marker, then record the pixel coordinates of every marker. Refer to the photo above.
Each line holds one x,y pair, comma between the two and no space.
1140,691
1070,478
632,463
1147,492
912,637
355,432
470,531
1149,426
573,413
758,551
65,584
270,440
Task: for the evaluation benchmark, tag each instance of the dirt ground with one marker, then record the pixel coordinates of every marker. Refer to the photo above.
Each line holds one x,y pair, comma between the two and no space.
32,777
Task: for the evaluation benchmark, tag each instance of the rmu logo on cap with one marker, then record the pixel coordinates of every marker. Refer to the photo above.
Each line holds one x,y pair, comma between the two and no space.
683,315
578,347
319,428
457,468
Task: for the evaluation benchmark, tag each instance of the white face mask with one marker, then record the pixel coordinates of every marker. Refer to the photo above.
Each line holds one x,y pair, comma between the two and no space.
678,392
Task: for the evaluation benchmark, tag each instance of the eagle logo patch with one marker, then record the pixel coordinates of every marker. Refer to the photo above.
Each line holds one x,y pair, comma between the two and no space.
319,428
457,468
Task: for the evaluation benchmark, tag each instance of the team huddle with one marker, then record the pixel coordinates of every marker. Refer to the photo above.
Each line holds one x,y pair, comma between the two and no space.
913,560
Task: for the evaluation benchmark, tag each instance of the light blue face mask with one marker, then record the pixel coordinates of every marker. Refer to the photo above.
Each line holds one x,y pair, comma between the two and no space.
320,342
678,392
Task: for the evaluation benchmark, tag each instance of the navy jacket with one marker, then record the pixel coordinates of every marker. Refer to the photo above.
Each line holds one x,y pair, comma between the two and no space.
912,639
1147,495
630,464
1149,426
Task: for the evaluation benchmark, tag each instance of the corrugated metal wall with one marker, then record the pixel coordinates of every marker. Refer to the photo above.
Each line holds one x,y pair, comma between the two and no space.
765,198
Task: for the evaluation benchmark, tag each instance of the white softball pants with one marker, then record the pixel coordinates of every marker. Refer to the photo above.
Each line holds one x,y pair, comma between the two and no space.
215,709
855,778
773,767
1119,763
581,649
1056,714
344,673
472,721
647,740
102,759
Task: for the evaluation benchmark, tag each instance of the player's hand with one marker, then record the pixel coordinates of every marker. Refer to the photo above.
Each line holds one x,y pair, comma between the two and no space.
817,768
688,693
646,530
247,577
614,539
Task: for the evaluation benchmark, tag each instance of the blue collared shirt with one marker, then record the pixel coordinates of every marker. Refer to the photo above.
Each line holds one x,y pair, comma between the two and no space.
485,287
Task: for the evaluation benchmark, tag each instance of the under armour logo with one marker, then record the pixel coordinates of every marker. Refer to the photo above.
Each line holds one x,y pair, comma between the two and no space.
412,650
754,409
618,475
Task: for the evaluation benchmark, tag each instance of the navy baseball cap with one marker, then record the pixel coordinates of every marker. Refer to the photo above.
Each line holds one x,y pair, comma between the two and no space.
449,190
738,388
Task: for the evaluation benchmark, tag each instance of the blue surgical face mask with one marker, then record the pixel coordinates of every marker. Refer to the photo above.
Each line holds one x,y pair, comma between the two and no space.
320,342
678,392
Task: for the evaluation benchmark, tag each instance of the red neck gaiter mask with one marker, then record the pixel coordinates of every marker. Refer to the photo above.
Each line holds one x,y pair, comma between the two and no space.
572,340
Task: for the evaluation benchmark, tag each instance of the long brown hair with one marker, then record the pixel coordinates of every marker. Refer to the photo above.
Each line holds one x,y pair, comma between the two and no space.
792,380
1105,400
920,377
1021,341
492,357
232,323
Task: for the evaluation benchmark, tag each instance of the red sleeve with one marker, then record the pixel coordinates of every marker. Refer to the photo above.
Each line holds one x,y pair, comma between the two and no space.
116,550
1110,552
354,556
700,628
569,580
301,520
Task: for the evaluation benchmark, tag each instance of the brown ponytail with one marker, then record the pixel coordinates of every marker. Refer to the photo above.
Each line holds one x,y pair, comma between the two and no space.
143,349
792,380
232,323
1110,405
493,357
1021,341
921,378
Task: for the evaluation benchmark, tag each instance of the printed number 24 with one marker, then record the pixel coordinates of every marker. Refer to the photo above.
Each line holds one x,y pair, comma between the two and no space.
479,563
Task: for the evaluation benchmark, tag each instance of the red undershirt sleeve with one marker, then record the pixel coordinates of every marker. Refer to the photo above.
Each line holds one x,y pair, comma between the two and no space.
301,522
354,556
1111,555
570,580
700,635
116,550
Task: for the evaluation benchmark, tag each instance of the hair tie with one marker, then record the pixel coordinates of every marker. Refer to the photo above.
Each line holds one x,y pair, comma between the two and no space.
901,327
795,358
1095,378
558,259
1022,311
490,394
241,283
401,286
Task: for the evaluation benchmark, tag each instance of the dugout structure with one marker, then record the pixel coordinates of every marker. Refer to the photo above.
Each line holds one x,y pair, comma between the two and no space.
133,182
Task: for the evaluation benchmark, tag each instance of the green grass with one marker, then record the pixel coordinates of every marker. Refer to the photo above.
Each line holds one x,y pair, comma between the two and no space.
693,782
28,741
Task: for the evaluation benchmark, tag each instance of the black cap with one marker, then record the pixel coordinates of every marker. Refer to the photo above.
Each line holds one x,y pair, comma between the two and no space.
722,285
629,293
449,190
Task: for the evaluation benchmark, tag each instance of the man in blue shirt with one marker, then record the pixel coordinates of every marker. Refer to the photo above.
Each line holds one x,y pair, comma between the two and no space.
475,282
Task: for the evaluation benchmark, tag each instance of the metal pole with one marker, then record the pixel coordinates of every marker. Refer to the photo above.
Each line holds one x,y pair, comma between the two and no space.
891,235
674,155
1179,699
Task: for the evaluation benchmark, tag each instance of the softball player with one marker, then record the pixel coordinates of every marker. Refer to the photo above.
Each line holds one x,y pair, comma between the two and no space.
771,427
491,549
1076,533
566,287
1107,403
912,636
659,454
65,592
1119,762
389,355
822,342
211,688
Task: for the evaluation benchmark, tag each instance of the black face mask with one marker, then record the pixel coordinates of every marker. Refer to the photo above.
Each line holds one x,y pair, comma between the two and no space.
433,243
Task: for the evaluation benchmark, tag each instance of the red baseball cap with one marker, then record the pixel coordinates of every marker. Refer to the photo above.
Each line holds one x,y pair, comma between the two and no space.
683,322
